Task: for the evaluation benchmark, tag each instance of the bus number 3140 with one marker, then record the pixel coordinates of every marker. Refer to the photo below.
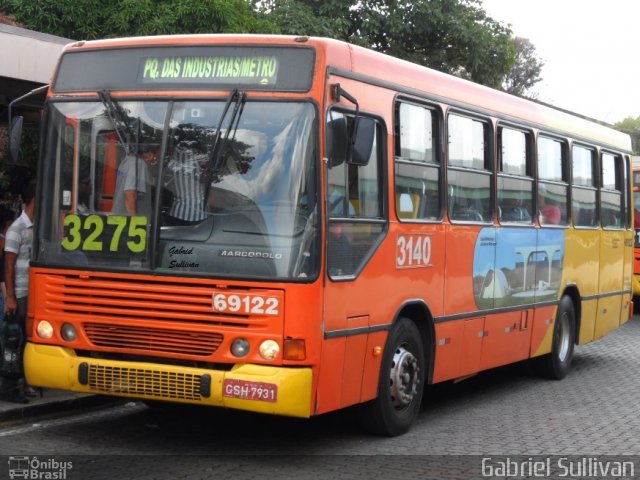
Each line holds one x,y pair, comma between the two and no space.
413,251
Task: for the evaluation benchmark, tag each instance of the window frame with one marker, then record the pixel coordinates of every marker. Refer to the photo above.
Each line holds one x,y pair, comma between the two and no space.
487,171
581,187
436,164
619,190
526,178
563,182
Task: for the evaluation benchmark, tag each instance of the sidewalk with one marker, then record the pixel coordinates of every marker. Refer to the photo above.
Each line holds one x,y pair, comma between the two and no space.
52,401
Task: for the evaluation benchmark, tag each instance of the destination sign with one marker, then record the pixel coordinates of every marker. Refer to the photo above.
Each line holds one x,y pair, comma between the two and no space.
213,67
262,70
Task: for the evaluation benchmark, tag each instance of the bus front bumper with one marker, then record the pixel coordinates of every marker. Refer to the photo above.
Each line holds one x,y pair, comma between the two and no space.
255,388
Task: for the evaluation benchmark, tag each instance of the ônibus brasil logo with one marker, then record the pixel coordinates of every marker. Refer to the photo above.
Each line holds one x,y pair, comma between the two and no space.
40,469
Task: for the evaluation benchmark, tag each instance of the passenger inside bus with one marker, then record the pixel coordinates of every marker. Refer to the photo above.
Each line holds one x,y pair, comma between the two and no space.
186,180
550,214
133,191
511,210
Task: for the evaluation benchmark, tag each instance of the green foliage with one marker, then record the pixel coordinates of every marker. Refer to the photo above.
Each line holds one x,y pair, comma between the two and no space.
631,126
92,19
453,36
292,17
526,71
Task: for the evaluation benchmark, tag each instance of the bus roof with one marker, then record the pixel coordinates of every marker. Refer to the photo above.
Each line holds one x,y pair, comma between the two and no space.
375,67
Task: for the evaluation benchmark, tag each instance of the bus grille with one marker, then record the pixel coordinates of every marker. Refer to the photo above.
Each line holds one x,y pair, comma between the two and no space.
153,339
150,316
144,382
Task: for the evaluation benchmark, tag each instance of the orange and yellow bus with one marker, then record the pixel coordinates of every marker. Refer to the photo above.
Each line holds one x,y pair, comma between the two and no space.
636,222
326,227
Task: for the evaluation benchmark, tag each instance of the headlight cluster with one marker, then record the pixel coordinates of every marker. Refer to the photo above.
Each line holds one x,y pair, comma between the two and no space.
240,347
45,330
268,349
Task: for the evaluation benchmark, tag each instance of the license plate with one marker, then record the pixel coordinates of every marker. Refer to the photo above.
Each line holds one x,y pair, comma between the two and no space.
246,390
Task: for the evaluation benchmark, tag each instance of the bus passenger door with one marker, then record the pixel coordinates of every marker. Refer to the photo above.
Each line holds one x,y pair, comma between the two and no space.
610,282
613,246
510,283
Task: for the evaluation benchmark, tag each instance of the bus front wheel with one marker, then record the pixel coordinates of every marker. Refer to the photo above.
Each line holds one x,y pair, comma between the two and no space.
557,364
401,384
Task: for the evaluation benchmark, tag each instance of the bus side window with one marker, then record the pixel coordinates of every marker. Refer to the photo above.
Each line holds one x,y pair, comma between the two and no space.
417,163
611,198
470,172
583,197
552,182
515,185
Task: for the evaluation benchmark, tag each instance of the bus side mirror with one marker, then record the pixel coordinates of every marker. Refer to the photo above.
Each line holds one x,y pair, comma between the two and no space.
15,138
362,144
337,141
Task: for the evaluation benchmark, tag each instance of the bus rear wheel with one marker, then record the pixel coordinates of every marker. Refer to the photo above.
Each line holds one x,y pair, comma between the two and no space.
401,384
557,364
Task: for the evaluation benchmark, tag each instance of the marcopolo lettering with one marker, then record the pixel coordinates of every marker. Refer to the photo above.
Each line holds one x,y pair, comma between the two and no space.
250,254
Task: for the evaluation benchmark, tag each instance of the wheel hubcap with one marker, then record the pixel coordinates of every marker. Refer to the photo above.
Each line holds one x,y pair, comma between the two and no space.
564,338
404,378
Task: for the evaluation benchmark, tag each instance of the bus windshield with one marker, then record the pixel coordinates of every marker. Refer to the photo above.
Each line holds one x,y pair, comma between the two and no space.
225,188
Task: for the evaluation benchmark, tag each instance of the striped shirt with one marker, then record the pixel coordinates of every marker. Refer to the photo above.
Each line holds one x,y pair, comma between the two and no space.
18,240
188,187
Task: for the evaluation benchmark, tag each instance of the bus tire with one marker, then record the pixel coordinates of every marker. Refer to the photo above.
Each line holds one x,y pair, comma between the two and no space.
401,384
557,364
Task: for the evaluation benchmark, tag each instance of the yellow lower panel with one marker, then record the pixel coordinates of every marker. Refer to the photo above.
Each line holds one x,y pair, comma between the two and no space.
255,388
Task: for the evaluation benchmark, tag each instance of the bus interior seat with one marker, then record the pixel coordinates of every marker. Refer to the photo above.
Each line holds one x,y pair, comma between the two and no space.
466,215
408,205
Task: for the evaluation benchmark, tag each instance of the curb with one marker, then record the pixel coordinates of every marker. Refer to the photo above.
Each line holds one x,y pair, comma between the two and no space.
74,403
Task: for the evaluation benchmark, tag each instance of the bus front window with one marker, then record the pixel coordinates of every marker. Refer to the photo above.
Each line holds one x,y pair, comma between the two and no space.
229,194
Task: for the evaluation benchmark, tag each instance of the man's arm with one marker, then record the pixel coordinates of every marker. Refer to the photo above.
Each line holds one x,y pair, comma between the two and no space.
11,302
130,201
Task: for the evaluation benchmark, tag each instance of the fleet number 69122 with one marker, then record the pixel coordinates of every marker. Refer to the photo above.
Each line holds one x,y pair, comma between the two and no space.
245,304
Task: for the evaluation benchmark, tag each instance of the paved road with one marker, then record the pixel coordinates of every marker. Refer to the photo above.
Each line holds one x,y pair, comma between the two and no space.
505,412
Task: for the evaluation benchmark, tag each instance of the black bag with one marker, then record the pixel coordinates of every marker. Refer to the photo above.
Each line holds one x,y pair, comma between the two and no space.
11,348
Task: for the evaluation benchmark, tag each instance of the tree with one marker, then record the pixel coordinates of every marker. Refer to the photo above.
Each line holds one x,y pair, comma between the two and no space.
295,17
631,126
91,19
526,71
453,36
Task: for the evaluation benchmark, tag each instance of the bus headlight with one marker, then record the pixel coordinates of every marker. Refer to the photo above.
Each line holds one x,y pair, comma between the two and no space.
269,349
44,330
68,332
240,347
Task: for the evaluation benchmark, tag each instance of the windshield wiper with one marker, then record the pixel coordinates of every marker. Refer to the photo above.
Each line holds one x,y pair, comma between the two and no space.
237,98
115,115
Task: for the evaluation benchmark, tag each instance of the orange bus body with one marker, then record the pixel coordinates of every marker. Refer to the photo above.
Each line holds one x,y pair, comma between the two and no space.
343,336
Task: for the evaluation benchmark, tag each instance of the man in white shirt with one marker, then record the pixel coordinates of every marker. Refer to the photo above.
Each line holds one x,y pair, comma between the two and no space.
17,254
132,194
